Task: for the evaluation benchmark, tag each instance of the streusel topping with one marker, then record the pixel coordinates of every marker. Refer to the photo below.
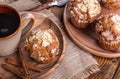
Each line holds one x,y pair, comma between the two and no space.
42,45
84,10
108,27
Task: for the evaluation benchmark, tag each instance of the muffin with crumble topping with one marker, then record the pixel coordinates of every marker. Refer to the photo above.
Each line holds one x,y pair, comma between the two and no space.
83,12
108,31
42,45
111,4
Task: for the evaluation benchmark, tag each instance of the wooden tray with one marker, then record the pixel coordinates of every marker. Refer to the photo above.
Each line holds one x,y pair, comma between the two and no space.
86,39
43,22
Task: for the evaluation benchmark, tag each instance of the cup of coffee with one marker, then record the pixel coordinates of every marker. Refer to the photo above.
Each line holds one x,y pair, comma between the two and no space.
11,28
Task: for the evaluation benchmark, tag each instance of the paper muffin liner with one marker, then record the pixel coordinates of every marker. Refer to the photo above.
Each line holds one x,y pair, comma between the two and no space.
77,24
113,45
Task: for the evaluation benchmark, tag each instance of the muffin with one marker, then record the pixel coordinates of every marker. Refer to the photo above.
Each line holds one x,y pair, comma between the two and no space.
83,12
42,45
111,4
108,31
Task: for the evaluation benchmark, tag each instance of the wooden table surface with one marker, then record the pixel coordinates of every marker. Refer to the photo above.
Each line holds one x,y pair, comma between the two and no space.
109,68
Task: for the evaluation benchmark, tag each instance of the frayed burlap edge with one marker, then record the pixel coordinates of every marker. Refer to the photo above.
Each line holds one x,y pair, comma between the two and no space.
89,70
86,73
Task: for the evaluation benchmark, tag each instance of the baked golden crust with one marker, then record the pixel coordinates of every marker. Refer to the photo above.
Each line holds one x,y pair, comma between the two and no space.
111,4
108,45
108,31
42,45
83,12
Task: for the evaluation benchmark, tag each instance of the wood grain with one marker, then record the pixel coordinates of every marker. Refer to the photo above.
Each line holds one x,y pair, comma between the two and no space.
41,7
14,70
86,38
44,1
104,63
117,73
107,68
48,23
41,21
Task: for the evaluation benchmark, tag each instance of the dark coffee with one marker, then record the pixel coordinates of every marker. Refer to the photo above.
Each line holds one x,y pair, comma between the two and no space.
8,24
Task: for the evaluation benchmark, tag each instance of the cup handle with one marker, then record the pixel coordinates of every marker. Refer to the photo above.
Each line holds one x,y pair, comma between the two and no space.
26,27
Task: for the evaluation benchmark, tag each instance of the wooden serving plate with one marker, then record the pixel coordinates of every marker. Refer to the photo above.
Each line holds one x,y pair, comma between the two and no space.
86,39
44,22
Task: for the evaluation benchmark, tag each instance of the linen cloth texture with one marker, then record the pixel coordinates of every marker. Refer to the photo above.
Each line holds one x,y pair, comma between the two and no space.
21,5
77,64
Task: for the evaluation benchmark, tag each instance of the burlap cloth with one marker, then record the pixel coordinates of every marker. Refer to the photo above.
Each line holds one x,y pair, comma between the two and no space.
77,64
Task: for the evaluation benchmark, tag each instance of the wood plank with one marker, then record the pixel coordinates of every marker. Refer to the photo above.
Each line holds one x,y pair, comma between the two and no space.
58,12
107,68
117,74
44,1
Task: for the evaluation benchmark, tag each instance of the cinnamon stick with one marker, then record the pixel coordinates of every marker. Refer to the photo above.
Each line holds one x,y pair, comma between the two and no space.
23,61
12,61
13,70
16,63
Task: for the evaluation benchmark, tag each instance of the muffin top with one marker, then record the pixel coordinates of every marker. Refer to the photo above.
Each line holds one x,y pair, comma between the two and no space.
108,27
84,10
42,45
111,4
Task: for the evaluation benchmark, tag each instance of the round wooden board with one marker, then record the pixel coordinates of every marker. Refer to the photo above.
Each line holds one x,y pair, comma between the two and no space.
42,21
86,39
